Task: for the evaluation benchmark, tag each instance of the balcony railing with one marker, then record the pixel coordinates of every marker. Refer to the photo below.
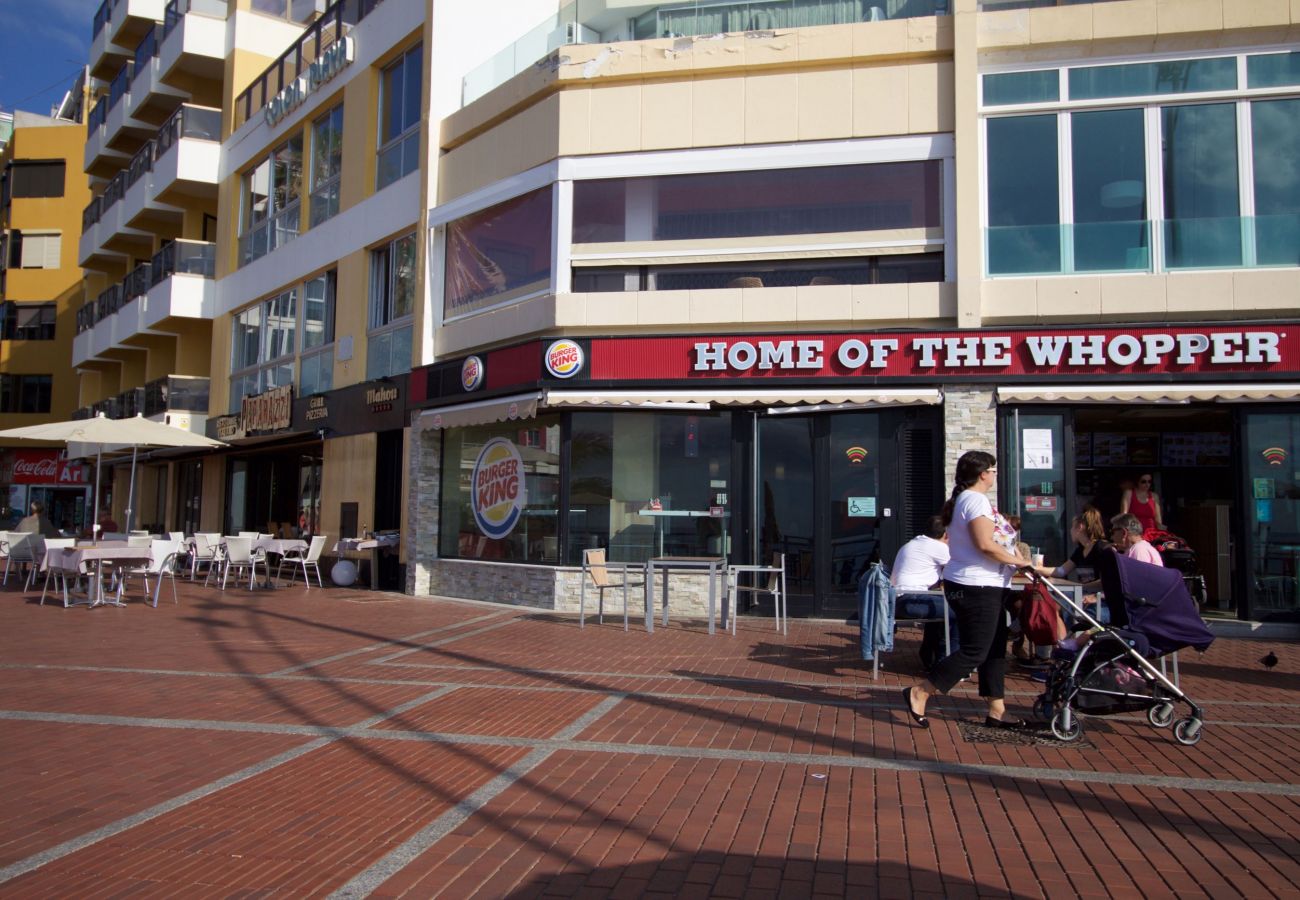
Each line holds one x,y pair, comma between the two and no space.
571,25
108,302
141,163
198,122
118,87
176,10
98,115
102,15
176,392
185,258
145,51
86,317
315,39
136,284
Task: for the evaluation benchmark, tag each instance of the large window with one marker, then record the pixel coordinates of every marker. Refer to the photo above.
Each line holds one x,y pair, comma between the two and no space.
520,522
272,192
1155,183
317,363
326,165
27,321
399,118
37,179
499,254
34,249
25,393
262,347
392,304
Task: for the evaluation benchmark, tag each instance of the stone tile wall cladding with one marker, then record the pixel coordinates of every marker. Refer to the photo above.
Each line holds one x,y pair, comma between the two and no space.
540,587
970,423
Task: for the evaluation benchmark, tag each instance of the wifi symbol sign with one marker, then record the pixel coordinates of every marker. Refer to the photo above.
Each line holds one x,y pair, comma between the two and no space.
1275,455
858,455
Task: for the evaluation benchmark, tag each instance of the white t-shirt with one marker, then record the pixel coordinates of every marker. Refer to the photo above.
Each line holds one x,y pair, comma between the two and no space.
967,564
919,564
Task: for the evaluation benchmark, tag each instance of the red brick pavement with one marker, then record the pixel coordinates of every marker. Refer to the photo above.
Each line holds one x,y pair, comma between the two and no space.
591,762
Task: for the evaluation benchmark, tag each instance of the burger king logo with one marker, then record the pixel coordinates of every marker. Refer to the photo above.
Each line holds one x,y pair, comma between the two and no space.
564,358
471,373
497,487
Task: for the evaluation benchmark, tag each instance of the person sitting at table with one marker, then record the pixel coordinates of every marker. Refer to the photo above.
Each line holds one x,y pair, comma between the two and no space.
37,523
918,567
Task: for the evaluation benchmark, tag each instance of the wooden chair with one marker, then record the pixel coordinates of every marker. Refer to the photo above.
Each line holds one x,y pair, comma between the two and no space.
768,579
595,566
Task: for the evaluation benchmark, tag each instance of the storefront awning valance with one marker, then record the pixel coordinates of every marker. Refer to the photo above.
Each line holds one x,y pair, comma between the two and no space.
480,412
704,398
1148,393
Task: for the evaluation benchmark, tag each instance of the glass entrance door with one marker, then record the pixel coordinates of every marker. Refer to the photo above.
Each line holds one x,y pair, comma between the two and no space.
1272,514
833,493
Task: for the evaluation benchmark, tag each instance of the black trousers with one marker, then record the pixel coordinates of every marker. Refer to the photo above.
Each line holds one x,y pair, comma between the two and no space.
982,628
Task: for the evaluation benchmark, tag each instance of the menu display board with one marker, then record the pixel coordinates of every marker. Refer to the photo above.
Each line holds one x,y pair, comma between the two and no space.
1083,449
1196,448
1109,449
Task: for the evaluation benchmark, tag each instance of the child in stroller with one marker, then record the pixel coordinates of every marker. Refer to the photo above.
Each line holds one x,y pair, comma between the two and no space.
1151,615
1177,554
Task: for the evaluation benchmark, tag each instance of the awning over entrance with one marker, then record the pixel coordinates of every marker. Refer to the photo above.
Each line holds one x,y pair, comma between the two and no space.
525,406
1148,393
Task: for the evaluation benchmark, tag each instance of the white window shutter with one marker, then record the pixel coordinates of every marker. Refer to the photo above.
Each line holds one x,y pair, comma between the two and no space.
52,242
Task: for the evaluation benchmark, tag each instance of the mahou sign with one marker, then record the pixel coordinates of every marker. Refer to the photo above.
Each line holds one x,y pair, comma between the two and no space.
1071,352
45,467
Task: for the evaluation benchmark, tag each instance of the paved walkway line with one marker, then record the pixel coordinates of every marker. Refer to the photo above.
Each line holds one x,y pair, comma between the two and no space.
35,861
970,770
384,661
382,644
366,882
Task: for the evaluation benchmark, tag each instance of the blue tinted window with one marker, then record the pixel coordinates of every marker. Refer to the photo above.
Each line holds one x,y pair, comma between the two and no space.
1141,79
1109,181
1276,132
1272,70
1022,87
1202,199
1024,212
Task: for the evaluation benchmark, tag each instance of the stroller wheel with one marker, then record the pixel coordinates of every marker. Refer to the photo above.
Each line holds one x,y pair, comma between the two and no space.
1188,731
1161,715
1065,725
1042,709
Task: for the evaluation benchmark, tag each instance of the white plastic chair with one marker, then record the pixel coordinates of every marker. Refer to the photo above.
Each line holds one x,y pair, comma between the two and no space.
176,536
766,580
203,552
250,534
53,565
237,553
162,561
139,540
307,560
598,569
23,548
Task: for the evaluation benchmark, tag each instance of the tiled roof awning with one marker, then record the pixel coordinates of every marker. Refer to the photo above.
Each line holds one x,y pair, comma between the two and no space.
1148,393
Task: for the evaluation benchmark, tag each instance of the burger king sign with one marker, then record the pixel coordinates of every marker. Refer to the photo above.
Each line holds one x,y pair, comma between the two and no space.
497,488
564,358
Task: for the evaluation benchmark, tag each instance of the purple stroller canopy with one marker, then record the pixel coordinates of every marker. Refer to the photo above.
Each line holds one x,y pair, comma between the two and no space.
1156,602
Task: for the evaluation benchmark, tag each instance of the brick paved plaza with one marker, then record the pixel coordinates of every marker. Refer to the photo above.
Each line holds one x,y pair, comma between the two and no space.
329,742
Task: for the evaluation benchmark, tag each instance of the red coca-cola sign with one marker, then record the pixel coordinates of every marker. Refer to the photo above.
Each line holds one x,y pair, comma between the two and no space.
45,467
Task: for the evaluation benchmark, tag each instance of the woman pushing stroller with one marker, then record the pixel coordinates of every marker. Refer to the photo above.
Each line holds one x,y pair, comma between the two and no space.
976,583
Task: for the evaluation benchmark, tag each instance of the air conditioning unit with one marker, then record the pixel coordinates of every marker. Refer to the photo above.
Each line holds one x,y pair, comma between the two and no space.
571,33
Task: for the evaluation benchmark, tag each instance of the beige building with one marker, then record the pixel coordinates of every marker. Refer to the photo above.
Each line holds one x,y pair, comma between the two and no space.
730,283
42,192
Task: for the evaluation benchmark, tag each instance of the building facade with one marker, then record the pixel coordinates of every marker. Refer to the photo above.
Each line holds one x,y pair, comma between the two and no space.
736,282
42,192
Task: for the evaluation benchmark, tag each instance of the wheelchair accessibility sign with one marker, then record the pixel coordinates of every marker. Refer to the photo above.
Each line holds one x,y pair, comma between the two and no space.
862,507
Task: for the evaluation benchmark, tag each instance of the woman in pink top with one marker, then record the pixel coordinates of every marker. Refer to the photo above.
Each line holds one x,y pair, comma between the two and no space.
1143,502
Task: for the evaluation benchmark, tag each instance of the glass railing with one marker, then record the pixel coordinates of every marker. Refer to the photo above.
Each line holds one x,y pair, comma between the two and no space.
1228,242
176,392
130,402
176,10
141,163
199,122
98,115
102,16
90,215
185,258
571,25
108,302
136,283
117,89
995,5
315,40
145,51
86,317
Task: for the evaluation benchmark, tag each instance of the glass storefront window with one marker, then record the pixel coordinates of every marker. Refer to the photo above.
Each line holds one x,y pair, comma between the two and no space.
1202,200
511,511
1031,480
499,254
1109,173
1024,235
644,484
1273,513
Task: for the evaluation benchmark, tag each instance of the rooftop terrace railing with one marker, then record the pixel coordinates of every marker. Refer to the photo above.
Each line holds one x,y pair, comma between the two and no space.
175,11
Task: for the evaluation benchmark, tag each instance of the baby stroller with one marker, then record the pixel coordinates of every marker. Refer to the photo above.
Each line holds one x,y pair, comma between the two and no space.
1177,554
1151,615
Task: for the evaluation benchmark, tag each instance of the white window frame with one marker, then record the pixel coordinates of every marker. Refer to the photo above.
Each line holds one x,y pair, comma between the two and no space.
263,365
411,128
41,249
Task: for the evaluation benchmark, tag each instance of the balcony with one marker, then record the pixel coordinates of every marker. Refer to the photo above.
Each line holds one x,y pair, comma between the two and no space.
149,100
177,283
193,40
582,22
176,393
181,161
128,20
105,56
99,160
123,131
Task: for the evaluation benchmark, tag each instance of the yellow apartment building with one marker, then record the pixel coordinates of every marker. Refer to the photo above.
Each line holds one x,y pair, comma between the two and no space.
42,192
742,281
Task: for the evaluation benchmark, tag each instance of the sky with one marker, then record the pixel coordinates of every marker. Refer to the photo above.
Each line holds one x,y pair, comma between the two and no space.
43,45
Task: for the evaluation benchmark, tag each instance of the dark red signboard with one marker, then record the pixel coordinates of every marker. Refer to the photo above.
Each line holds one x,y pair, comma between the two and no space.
45,467
1074,352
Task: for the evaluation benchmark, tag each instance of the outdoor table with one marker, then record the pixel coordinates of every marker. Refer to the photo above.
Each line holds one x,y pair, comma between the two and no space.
382,542
715,564
275,547
70,559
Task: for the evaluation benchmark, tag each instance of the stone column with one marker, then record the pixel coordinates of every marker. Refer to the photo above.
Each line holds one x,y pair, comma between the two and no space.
423,500
970,423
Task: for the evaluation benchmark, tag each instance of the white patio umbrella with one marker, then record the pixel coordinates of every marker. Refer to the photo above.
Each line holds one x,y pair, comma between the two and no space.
135,432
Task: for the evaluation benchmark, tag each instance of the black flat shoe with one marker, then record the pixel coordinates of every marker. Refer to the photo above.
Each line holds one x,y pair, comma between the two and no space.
1011,724
920,720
